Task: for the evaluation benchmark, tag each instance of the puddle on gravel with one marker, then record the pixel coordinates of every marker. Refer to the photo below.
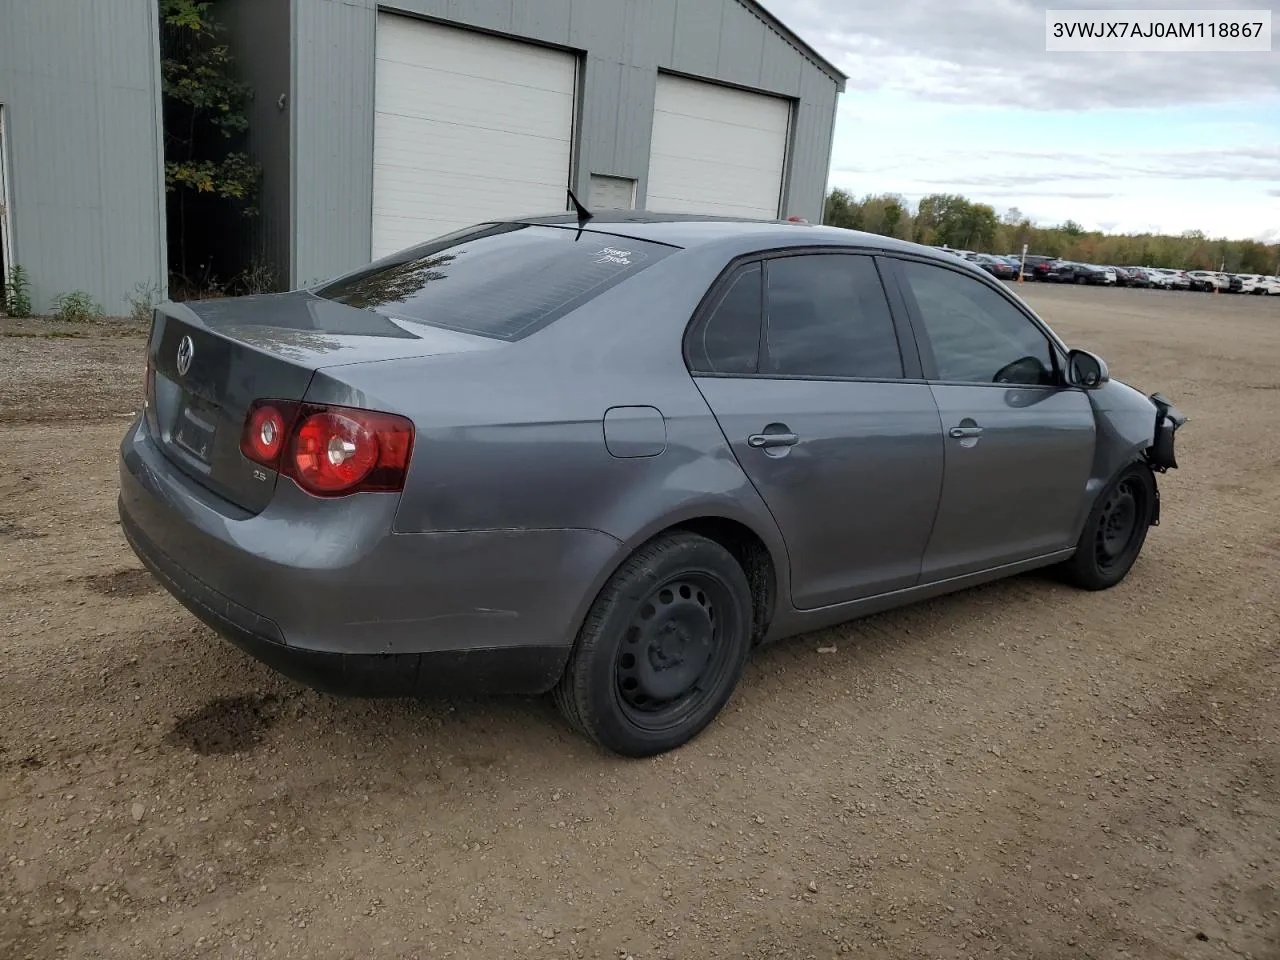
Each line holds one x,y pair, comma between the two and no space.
225,725
121,583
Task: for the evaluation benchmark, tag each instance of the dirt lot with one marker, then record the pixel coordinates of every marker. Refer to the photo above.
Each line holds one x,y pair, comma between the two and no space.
1018,771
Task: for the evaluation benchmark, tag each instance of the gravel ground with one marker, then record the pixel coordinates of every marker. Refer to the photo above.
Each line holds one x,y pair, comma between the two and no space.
1021,770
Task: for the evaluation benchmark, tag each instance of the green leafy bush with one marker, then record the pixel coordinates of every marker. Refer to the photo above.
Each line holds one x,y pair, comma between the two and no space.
142,302
76,307
211,181
15,292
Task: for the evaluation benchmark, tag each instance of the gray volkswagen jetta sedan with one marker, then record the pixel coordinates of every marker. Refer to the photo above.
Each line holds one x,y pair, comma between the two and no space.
607,458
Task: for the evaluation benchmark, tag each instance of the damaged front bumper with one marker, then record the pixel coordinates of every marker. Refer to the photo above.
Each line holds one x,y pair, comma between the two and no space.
1168,419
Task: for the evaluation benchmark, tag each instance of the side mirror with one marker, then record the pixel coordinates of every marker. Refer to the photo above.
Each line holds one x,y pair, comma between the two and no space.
1086,370
1027,370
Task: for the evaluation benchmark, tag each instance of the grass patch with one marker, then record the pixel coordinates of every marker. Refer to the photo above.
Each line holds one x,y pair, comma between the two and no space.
52,328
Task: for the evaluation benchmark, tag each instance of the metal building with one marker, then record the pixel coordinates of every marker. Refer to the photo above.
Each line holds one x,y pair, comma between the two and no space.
382,123
81,166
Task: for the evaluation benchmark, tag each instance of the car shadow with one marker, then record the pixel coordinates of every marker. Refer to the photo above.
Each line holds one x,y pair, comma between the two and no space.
250,705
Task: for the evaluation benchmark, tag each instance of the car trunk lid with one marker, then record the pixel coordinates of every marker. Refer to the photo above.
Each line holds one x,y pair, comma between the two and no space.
210,360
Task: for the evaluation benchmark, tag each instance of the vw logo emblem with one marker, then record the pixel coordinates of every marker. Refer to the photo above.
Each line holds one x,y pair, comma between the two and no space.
186,350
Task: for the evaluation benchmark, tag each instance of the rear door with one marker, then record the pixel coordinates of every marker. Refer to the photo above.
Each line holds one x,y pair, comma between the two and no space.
1019,445
798,357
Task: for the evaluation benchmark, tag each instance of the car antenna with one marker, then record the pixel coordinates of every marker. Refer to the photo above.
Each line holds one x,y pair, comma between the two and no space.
584,215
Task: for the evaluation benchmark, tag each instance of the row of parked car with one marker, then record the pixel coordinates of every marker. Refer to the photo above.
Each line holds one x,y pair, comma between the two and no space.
1053,270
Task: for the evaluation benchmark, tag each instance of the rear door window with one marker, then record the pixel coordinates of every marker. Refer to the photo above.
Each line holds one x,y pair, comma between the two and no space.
497,280
827,316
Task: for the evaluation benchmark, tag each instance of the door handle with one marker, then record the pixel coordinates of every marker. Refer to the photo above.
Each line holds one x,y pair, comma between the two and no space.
762,440
960,433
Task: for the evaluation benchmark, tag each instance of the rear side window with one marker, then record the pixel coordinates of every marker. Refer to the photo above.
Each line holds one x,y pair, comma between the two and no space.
827,316
498,280
728,340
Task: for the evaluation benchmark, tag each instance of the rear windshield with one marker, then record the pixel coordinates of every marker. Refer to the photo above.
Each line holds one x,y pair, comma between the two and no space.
496,280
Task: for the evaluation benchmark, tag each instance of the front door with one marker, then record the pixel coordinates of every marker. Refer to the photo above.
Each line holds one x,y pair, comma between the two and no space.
844,451
1019,444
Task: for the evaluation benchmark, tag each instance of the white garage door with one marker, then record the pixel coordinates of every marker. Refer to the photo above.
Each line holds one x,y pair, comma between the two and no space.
467,127
716,150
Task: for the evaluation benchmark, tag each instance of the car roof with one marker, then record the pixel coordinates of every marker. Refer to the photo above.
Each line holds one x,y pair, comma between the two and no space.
693,230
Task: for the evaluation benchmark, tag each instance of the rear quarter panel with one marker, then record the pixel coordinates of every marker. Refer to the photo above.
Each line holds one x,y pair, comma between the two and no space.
513,438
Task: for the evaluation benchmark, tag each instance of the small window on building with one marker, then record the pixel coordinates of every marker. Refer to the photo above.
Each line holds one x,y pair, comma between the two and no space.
612,193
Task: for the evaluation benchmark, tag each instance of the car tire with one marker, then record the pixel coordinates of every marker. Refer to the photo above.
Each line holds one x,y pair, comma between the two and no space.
1115,530
662,648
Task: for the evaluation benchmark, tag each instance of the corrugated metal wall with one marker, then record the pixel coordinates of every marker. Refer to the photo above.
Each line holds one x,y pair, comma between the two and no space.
79,80
625,42
333,136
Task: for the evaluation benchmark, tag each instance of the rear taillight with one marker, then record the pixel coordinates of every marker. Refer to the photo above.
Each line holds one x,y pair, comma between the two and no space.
264,435
327,450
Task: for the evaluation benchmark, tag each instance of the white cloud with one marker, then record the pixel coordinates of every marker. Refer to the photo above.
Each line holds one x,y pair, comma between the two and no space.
993,51
1221,192
960,96
1031,168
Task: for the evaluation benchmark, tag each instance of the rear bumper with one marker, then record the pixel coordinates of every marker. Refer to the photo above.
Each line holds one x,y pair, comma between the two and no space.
325,593
514,670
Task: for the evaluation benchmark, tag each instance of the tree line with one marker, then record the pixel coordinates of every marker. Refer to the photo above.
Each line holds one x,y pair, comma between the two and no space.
211,183
953,220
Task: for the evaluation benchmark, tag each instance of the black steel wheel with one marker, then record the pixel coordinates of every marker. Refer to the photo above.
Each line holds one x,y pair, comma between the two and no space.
1117,524
662,648
673,651
1115,531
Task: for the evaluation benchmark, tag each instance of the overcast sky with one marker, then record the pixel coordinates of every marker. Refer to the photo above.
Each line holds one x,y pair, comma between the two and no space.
961,96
